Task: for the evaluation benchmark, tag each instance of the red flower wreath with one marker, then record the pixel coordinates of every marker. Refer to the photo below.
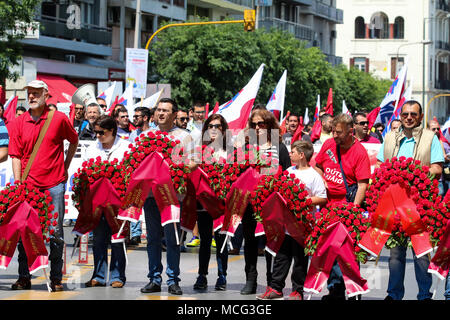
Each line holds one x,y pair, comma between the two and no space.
350,215
171,151
421,186
292,190
40,201
95,169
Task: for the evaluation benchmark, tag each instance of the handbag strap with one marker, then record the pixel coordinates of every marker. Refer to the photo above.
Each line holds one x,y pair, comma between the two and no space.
338,150
38,144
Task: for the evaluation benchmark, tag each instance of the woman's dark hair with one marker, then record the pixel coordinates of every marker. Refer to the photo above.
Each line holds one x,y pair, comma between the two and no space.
223,123
107,122
269,119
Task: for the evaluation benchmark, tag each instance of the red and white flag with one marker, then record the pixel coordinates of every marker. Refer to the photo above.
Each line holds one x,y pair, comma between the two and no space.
237,111
276,101
109,94
345,109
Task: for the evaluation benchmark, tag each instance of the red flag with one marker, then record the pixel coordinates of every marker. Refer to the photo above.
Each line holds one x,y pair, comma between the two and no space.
372,116
316,131
72,113
298,132
2,95
113,105
10,113
283,124
329,107
216,107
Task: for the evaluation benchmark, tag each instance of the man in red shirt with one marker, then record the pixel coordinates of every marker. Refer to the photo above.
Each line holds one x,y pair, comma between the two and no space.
356,165
48,170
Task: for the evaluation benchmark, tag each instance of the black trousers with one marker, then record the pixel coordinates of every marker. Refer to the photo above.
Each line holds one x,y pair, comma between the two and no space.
251,248
290,250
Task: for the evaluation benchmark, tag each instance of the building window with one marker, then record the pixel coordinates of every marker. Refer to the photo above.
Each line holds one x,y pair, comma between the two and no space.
379,26
360,28
396,66
360,63
399,28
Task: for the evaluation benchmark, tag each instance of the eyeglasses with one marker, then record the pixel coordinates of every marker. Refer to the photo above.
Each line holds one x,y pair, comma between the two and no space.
435,129
215,126
136,116
100,132
183,119
123,117
79,108
407,114
259,124
199,112
363,123
102,106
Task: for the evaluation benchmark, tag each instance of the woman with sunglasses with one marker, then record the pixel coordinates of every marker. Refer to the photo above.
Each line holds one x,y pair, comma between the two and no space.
213,136
262,128
108,146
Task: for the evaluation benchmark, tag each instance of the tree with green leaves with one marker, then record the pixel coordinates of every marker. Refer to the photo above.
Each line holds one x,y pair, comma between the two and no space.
15,16
213,62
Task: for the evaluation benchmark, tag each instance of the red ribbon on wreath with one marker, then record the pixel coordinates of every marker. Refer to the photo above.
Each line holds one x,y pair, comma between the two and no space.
237,200
151,175
101,198
277,219
440,263
395,201
335,244
21,221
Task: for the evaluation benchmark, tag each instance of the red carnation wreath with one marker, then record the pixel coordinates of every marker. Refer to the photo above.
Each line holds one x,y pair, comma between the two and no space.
421,187
40,201
171,151
95,169
292,190
350,215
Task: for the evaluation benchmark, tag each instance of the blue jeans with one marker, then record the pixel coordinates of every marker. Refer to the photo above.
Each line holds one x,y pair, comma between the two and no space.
102,237
205,227
154,248
135,229
447,287
56,240
397,265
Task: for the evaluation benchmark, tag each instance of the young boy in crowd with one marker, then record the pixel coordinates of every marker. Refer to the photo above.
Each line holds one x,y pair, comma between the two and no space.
301,153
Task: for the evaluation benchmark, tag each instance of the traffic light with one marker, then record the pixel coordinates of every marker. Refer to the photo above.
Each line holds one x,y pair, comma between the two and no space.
249,20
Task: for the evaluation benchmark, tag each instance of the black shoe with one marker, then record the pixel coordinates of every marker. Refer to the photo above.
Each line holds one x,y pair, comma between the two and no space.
22,284
201,283
388,298
249,288
221,284
175,289
134,241
335,294
151,287
358,297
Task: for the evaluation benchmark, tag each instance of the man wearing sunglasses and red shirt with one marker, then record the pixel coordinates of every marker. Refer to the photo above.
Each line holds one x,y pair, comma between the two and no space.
361,126
411,140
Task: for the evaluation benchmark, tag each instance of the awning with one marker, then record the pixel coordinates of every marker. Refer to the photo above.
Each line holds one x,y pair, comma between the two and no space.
60,89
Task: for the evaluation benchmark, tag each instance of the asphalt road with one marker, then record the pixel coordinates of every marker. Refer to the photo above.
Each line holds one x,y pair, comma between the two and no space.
137,268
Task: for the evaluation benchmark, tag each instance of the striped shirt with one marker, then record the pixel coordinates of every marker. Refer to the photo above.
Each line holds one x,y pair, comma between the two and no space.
4,137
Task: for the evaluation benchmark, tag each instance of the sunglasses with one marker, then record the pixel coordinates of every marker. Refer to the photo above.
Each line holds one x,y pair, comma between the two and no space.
102,105
435,129
407,114
183,119
363,123
79,108
136,116
100,132
259,124
215,126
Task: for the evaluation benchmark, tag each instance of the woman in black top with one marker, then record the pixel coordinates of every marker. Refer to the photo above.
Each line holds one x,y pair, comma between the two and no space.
264,131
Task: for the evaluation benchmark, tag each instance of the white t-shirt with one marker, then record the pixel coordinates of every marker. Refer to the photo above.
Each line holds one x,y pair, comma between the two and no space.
117,151
312,179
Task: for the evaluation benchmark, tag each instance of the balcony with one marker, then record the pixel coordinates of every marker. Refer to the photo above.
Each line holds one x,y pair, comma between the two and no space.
442,45
442,84
333,60
441,5
87,33
300,31
324,11
244,3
